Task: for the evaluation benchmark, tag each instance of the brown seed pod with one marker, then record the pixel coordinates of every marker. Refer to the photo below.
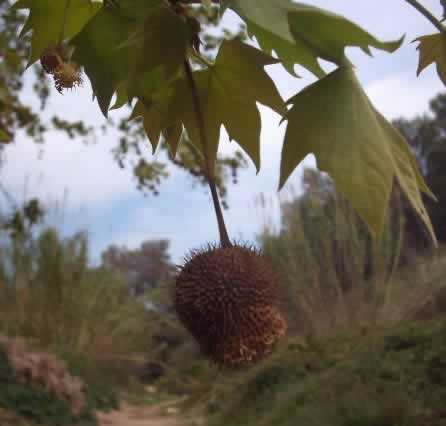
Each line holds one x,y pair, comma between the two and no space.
227,297
52,58
55,61
67,76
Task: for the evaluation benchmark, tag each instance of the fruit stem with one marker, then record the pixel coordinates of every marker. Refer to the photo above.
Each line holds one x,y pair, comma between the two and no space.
208,167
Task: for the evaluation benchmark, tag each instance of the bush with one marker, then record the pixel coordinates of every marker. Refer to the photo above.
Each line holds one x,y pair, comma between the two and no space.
49,292
335,278
102,381
50,295
373,381
36,401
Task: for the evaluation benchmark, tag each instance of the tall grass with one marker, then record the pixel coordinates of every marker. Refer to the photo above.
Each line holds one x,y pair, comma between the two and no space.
335,277
49,292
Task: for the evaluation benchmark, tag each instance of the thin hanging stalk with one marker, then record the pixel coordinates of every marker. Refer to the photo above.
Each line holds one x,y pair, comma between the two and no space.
208,167
428,15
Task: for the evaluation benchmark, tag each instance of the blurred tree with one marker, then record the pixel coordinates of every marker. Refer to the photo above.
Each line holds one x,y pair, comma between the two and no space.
327,259
143,268
427,137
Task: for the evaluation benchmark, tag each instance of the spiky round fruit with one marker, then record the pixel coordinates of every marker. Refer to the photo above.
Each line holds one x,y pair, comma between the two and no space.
228,299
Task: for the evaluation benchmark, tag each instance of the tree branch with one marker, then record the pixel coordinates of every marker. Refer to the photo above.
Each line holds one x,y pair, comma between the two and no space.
428,15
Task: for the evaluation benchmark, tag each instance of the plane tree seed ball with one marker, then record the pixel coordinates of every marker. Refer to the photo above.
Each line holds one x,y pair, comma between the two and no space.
228,299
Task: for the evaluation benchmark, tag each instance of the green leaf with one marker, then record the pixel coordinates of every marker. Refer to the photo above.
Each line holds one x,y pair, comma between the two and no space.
97,50
406,172
152,121
433,50
362,152
5,137
121,96
301,34
329,34
228,93
116,47
46,21
153,126
135,9
207,6
163,49
173,136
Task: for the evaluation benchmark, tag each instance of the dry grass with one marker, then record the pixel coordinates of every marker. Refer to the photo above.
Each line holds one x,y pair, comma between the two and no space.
51,293
335,278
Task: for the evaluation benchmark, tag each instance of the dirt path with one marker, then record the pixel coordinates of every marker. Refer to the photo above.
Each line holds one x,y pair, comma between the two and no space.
158,415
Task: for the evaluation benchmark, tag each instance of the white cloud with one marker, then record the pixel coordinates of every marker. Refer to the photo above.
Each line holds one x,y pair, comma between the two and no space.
89,173
403,95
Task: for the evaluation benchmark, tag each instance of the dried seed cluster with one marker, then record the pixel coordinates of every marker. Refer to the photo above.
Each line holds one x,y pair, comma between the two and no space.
55,61
227,297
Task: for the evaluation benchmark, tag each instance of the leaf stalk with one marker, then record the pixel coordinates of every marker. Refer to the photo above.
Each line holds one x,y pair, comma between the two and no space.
428,15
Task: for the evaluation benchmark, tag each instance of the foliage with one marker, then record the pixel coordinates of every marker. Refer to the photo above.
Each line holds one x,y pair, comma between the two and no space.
15,114
18,113
103,381
23,219
396,377
145,268
42,368
48,291
432,48
35,402
425,135
378,157
237,65
334,276
139,49
50,294
296,36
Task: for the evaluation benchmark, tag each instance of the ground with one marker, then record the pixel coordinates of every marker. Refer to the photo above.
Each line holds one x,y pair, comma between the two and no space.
164,414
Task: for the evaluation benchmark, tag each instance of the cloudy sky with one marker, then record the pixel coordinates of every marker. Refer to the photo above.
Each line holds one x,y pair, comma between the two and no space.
86,189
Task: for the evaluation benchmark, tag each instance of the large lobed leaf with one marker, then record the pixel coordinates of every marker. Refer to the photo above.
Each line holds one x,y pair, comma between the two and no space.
162,50
433,51
152,122
228,93
301,34
53,21
138,49
98,51
362,152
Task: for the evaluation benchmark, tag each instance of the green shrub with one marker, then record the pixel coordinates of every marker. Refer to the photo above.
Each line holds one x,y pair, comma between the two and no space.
101,387
373,381
48,291
334,277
